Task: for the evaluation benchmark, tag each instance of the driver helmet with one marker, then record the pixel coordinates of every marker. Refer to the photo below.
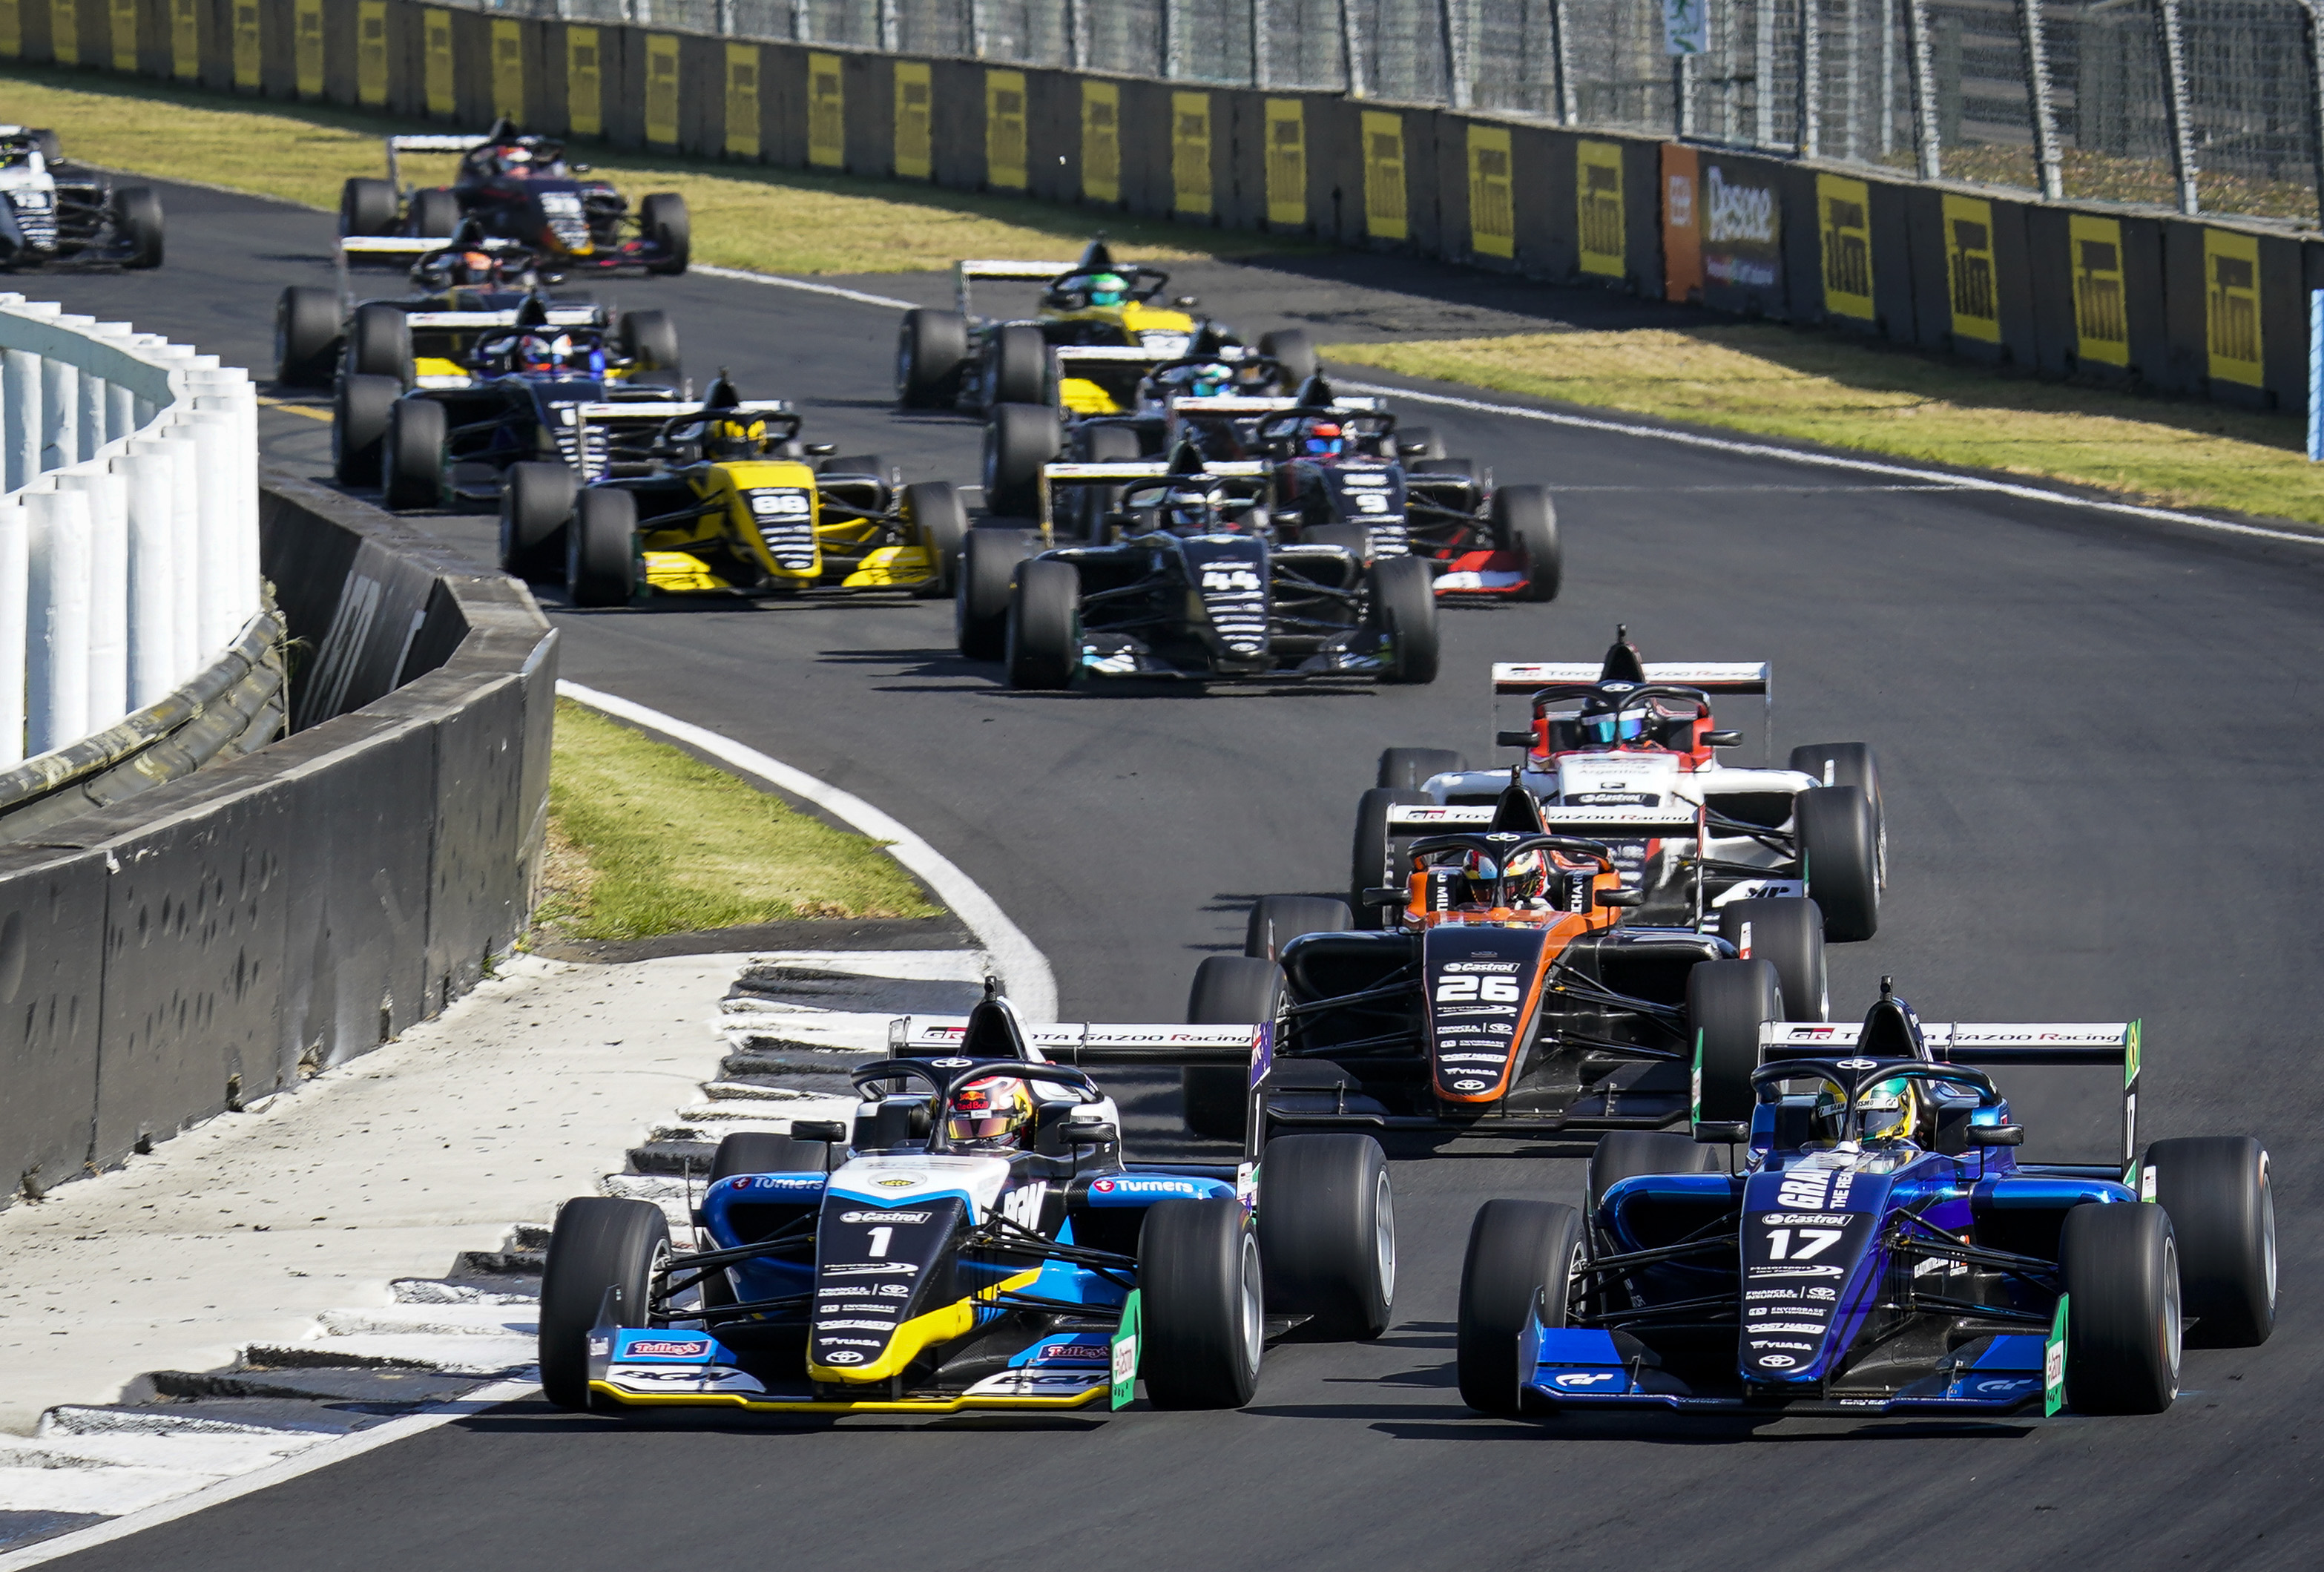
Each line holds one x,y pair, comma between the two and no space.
734,438
1604,728
512,157
994,1114
1323,437
1208,379
1889,1111
1191,512
538,352
1107,288
1490,883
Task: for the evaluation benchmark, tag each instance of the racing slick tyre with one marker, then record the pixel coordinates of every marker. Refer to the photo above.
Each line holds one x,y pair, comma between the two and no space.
367,207
379,343
1327,1232
1727,1002
434,212
1368,864
1202,1295
1421,443
1848,764
767,1151
2215,1190
1019,439
1519,1251
1523,520
412,461
931,348
938,525
651,339
1103,445
1408,769
601,547
535,499
988,560
664,222
2120,1265
359,416
137,220
1788,930
1289,348
1019,366
1228,991
305,336
1276,919
1623,1154
1840,858
1044,624
1404,600
599,1243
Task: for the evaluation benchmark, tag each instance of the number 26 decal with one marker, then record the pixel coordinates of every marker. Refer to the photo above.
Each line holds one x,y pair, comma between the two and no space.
1465,989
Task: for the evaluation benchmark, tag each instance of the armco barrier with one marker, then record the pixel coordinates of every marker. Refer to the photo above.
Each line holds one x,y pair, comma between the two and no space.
221,935
2198,305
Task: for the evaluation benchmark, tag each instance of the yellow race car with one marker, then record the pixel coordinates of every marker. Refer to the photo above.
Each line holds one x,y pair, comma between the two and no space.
720,497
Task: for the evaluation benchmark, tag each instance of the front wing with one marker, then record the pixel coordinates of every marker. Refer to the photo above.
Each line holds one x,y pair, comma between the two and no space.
1576,1368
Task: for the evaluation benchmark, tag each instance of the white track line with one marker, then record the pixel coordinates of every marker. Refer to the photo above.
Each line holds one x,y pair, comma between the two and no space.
320,1455
798,283
1024,969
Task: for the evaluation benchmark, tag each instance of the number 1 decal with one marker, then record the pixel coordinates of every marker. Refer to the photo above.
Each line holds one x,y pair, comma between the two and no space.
879,1237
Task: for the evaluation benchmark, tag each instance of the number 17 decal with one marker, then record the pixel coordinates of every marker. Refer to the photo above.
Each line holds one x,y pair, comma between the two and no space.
1812,1242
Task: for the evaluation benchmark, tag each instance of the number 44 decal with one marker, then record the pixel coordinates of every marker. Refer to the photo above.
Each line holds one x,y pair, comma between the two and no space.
1812,1242
1465,989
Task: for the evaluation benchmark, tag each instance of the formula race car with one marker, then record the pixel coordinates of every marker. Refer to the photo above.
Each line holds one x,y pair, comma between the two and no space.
1627,753
975,1240
511,399
959,359
721,496
466,288
520,188
1515,996
1953,1219
55,211
1189,584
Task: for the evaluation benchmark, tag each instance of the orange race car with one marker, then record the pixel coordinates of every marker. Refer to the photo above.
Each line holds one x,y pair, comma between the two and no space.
1510,998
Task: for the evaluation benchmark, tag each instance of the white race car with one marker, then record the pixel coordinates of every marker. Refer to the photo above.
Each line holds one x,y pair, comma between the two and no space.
53,211
1626,753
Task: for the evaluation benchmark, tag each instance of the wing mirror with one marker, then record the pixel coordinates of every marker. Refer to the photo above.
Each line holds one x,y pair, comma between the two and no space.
1718,1131
1621,897
1517,739
1723,739
1386,895
581,169
1091,1133
823,449
818,1130
1186,302
1411,449
1997,1135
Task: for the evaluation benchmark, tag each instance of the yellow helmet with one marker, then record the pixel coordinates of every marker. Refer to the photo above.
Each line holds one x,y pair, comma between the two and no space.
736,437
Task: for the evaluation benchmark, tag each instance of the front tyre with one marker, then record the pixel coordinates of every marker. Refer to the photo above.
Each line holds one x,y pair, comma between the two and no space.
1524,522
413,459
1839,859
2120,1264
536,499
600,554
1727,1003
666,225
988,560
1788,931
1204,1311
1019,439
305,336
1404,603
1228,991
931,348
1849,764
938,525
599,1243
1520,1253
367,207
137,220
1021,367
1043,616
359,416
1327,1232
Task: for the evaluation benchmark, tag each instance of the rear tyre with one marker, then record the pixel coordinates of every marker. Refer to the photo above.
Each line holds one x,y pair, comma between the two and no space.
930,350
1404,600
137,219
536,501
2120,1264
1840,858
1623,1154
367,207
1290,349
1727,1002
1276,919
1368,864
1020,367
1019,439
1203,1308
305,336
664,222
359,416
1523,521
767,1151
1044,618
2215,1190
601,551
938,524
1520,1253
379,343
650,338
1103,445
599,1243
412,461
435,214
1849,764
1788,931
1327,1232
1408,769
1228,991
988,560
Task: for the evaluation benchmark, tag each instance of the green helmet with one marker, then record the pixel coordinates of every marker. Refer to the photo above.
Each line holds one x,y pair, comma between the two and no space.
1107,288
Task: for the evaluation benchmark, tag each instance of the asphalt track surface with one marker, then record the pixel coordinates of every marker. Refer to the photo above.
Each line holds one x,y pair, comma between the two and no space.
2098,740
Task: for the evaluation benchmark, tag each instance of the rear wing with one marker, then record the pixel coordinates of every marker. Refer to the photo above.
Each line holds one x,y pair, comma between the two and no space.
1745,679
1056,475
559,317
962,272
1588,823
435,143
1239,405
2072,1085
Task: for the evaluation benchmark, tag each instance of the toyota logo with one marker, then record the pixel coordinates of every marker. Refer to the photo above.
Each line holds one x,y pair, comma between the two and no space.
1846,1064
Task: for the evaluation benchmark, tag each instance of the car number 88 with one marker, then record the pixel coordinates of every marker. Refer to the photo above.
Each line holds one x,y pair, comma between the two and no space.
778,504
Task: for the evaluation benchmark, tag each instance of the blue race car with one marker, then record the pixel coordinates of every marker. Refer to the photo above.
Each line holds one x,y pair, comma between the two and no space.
974,1242
1897,1242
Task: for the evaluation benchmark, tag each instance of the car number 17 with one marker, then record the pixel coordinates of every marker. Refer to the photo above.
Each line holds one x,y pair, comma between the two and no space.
1812,1242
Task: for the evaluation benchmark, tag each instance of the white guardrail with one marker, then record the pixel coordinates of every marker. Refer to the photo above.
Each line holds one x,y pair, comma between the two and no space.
128,525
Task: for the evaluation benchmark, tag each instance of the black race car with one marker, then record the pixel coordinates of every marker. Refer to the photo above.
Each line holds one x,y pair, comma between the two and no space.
520,189
55,211
1188,583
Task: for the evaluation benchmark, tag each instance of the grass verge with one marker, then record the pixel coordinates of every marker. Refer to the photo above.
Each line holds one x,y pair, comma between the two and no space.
747,216
644,839
1778,381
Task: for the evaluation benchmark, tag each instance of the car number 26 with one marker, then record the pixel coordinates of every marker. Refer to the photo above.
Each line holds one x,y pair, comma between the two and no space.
1465,989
